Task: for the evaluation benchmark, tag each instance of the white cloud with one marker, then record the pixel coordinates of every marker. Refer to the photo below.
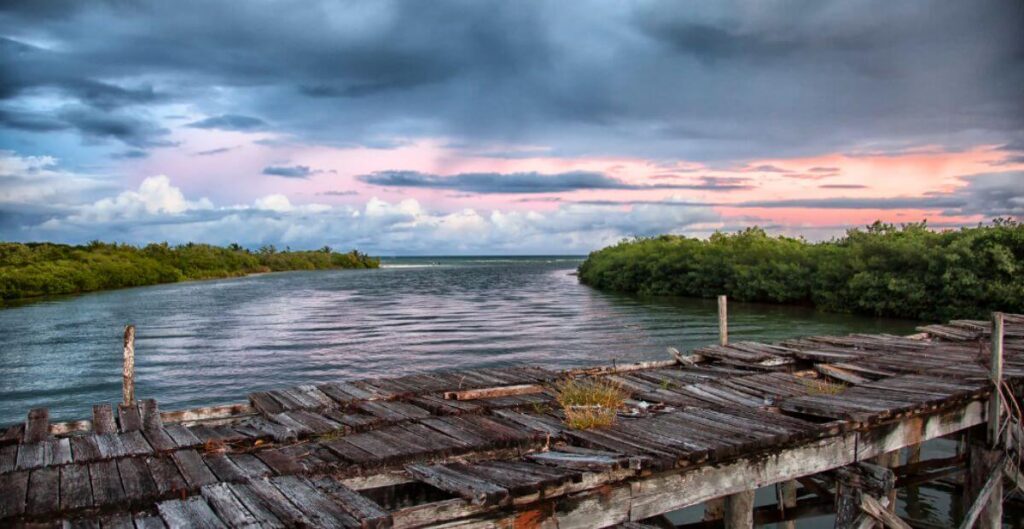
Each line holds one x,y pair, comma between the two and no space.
156,196
159,211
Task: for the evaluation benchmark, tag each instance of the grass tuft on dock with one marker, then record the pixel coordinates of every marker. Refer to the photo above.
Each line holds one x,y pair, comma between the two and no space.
589,403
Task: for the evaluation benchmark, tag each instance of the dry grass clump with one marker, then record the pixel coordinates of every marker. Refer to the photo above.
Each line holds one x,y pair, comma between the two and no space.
589,403
817,386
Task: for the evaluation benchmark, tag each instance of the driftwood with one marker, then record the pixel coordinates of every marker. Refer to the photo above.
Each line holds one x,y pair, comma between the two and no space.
488,393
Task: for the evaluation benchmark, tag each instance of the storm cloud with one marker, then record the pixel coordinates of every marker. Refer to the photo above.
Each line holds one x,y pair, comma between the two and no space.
532,182
658,79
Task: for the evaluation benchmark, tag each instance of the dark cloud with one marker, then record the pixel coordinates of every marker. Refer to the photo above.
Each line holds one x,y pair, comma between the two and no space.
532,182
212,152
295,171
842,186
128,128
988,194
132,154
656,79
229,122
823,170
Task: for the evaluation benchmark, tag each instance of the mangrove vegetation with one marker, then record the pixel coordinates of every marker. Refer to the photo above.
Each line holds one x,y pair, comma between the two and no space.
40,269
906,271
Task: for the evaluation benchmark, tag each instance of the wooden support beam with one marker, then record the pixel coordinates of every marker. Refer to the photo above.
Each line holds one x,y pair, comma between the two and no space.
674,490
488,393
128,372
739,510
723,321
876,510
987,508
786,494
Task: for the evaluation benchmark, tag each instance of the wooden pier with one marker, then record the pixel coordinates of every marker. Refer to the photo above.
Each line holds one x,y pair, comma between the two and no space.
820,416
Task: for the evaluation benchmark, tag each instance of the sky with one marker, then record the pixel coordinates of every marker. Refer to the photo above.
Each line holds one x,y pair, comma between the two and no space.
511,127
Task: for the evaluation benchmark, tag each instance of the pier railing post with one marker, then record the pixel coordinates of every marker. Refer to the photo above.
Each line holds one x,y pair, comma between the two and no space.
723,321
995,405
128,373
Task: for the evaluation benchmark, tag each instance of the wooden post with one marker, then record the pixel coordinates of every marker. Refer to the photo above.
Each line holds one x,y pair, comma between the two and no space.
723,321
739,510
714,509
786,491
995,406
128,381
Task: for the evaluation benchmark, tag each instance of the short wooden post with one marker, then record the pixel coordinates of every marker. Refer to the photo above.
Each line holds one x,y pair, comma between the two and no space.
739,510
128,379
723,321
786,492
995,405
714,509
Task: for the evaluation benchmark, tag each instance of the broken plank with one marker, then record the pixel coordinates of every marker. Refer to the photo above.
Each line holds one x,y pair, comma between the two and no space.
475,490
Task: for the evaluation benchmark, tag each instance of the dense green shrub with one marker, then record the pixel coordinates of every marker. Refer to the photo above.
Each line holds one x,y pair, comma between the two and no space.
38,269
907,271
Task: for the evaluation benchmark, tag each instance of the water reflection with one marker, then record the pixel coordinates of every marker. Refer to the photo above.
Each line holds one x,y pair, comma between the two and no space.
214,341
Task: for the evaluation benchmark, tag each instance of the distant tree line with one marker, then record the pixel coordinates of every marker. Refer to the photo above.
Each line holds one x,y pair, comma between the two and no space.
907,271
39,269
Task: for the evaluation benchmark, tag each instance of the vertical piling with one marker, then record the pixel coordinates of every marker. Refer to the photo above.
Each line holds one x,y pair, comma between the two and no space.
995,405
739,510
128,373
723,321
786,492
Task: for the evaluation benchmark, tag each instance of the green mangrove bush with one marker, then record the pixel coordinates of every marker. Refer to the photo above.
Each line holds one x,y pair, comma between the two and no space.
38,269
906,271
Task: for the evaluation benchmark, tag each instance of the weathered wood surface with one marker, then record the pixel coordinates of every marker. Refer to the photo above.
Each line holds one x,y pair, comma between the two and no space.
746,414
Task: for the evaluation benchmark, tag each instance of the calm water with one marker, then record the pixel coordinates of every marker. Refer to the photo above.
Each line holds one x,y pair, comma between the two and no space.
214,341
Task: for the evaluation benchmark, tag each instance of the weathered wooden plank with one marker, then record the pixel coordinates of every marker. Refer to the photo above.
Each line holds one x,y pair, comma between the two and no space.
323,511
8,458
106,483
594,463
75,487
166,475
250,465
110,445
13,491
261,494
136,479
150,413
84,449
191,512
103,419
465,486
500,391
31,455
181,435
145,521
366,511
267,405
279,462
193,469
37,426
224,468
43,495
134,443
130,418
58,451
121,520
228,507
159,440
